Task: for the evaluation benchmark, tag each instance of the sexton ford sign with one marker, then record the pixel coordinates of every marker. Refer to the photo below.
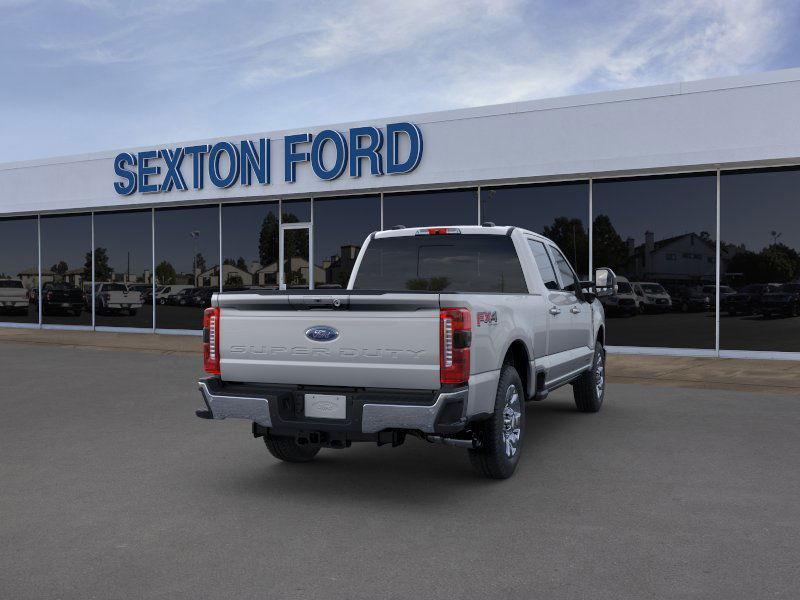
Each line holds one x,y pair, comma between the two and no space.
330,153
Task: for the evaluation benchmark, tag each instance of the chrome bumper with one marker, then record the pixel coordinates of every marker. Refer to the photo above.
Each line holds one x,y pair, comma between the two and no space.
233,407
375,417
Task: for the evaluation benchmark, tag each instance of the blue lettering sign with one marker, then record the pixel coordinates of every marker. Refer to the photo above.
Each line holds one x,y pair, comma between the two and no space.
227,163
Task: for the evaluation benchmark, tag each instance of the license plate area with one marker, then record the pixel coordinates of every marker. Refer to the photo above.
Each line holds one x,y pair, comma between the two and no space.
325,406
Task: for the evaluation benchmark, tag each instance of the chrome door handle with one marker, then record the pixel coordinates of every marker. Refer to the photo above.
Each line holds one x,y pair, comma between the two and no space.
555,311
575,310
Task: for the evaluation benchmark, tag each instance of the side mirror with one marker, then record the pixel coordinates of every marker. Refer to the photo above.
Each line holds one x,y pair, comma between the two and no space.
605,282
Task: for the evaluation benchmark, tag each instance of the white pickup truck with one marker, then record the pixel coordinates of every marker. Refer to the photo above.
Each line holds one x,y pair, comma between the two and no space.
442,333
13,296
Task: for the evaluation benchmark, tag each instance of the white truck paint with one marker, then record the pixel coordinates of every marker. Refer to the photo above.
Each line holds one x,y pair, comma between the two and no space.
379,348
13,296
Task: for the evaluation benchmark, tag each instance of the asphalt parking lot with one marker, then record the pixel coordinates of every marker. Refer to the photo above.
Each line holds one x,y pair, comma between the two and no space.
111,488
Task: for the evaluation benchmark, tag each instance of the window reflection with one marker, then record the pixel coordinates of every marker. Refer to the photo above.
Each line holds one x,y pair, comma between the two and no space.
760,260
657,233
450,207
123,268
67,269
249,246
19,270
187,264
559,211
340,227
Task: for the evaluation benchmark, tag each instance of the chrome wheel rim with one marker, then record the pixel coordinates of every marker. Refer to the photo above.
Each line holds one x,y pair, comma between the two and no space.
512,421
599,374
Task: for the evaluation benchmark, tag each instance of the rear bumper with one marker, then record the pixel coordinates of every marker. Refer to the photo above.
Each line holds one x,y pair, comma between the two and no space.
281,408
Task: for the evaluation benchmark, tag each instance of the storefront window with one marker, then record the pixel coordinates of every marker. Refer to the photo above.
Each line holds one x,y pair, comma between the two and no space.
459,207
19,270
340,227
250,246
760,260
123,264
658,234
559,211
187,264
67,270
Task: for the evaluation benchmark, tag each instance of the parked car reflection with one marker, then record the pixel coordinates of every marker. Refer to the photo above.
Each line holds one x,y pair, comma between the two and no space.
691,299
747,301
623,302
785,301
62,298
14,298
653,298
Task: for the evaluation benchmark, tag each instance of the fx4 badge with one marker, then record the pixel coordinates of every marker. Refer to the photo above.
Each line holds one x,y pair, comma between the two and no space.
487,318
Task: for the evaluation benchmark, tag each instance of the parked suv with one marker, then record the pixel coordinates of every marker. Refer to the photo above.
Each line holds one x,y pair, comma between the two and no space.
442,333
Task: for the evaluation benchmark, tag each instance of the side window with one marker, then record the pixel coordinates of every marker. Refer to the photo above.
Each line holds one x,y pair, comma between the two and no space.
544,265
571,283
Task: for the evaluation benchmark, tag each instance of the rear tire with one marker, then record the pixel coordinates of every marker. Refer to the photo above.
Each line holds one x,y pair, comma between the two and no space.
502,434
590,388
288,450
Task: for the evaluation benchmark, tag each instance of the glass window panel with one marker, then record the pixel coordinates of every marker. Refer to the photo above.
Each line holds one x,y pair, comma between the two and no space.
295,257
296,211
568,278
559,211
123,265
187,264
442,263
459,207
544,265
760,260
67,269
19,270
340,227
658,230
249,246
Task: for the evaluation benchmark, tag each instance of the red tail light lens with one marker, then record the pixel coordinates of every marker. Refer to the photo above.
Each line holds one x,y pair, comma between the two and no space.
455,337
211,341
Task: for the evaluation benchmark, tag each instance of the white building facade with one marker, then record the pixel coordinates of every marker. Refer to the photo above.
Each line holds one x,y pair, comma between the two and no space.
686,185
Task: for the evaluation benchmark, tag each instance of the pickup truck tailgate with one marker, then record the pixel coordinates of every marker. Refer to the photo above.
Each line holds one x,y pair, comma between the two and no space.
382,340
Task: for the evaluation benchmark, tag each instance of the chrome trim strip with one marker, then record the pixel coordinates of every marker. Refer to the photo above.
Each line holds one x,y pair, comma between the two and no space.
377,417
235,407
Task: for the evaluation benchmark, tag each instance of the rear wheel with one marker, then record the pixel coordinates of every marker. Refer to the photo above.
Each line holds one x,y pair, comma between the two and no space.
590,388
501,434
288,450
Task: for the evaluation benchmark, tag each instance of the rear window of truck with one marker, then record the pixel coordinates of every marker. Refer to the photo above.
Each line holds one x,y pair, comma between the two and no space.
442,263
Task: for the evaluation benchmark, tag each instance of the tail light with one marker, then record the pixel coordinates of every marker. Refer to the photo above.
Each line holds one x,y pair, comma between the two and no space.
106,296
211,341
49,296
455,337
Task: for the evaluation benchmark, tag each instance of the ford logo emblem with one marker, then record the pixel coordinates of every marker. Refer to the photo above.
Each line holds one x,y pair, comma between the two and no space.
321,333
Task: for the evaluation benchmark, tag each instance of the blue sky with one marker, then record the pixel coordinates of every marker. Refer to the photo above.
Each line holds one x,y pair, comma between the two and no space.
86,75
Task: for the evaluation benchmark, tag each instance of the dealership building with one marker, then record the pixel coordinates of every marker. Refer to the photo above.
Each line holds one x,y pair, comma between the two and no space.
689,191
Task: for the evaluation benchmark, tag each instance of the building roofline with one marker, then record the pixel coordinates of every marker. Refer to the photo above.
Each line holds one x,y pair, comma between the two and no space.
716,84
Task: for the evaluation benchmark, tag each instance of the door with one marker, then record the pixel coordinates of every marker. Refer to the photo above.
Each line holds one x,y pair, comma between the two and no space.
557,305
296,270
578,326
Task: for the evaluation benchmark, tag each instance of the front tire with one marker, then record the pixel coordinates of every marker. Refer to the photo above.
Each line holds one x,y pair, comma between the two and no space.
501,435
288,450
590,388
